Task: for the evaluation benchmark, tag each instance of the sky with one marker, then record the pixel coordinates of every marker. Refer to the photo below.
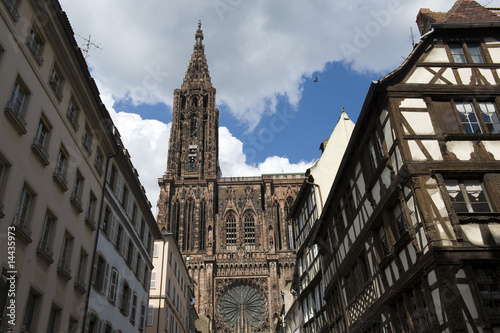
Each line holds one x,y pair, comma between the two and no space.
263,58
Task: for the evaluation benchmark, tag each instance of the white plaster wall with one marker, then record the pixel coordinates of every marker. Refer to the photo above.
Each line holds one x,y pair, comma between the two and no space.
413,103
493,147
494,54
420,122
461,149
433,149
421,75
388,135
437,54
416,152
495,231
465,75
488,75
473,233
448,75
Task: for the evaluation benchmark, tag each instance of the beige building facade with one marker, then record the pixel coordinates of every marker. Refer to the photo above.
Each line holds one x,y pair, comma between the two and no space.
171,300
56,140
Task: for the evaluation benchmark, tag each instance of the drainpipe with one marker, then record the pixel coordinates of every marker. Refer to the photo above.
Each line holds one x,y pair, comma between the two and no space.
319,190
108,160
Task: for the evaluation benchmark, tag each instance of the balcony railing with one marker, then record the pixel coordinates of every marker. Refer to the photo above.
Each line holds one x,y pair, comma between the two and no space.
45,252
362,301
90,221
56,87
14,114
80,284
11,6
39,149
2,207
63,269
76,201
35,49
22,229
60,178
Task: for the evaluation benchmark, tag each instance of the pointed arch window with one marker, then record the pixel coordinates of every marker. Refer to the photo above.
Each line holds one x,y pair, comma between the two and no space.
249,229
230,230
174,223
194,127
188,224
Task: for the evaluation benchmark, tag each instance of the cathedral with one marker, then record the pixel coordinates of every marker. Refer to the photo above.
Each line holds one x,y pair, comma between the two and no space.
233,232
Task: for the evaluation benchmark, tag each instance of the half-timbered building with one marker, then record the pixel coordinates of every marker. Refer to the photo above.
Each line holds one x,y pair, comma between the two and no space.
409,236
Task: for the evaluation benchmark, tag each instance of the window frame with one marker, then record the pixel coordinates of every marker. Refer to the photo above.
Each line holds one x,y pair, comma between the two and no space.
36,43
467,57
464,193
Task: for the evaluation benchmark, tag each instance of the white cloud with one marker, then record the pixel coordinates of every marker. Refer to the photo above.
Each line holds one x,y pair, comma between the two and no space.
257,50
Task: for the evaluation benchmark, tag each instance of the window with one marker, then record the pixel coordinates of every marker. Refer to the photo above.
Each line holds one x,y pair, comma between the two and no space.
4,297
82,267
134,308
60,170
155,251
30,312
478,117
23,213
466,53
93,323
375,150
73,113
53,318
35,43
467,195
12,6
153,280
488,287
100,272
89,215
355,279
119,236
64,260
167,316
249,229
40,142
420,312
143,314
108,328
76,195
386,250
72,326
18,98
192,158
231,230
113,285
130,253
16,106
87,138
151,313
400,220
125,298
44,245
98,162
112,178
56,82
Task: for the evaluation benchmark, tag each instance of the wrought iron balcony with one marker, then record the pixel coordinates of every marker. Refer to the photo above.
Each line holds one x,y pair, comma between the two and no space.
90,221
39,149
22,229
56,87
35,49
45,252
63,269
60,178
14,114
76,201
80,284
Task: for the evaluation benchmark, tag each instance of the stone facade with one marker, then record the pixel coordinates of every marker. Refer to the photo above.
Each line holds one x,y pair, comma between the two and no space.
233,232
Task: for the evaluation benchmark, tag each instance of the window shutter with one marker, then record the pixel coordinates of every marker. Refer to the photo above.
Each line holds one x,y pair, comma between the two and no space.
106,278
446,116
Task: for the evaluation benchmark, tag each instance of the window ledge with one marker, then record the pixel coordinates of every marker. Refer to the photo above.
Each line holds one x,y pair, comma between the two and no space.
90,222
80,285
480,217
16,118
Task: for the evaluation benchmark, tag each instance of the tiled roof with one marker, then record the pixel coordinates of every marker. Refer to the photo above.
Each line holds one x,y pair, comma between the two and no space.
469,11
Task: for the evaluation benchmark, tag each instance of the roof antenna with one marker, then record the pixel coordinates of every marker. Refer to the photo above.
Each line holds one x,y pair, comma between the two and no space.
88,45
412,39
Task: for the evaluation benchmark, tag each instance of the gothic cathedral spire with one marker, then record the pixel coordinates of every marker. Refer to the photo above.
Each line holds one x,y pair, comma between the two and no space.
194,136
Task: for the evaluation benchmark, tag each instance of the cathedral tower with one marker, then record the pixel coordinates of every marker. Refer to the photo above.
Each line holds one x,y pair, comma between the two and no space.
195,128
233,232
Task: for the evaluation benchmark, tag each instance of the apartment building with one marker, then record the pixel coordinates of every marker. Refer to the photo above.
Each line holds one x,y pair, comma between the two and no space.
171,299
57,145
307,312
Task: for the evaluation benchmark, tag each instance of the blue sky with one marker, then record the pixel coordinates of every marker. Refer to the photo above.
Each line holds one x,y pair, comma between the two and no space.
263,57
